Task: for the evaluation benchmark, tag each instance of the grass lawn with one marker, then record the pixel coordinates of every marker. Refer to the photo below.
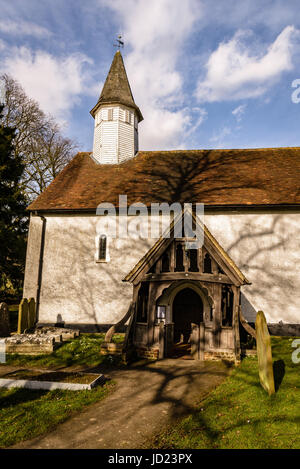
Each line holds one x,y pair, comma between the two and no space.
240,414
26,413
82,351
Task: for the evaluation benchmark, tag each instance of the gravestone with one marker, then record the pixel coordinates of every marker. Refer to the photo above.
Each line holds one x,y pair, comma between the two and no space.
197,341
23,316
4,320
31,313
264,354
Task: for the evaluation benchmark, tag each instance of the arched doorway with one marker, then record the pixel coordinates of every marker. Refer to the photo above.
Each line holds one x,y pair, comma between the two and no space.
187,309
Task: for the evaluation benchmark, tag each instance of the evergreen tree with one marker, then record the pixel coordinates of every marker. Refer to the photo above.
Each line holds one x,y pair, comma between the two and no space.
13,219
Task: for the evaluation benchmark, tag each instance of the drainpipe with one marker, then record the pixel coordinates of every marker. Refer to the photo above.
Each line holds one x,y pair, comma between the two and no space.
41,258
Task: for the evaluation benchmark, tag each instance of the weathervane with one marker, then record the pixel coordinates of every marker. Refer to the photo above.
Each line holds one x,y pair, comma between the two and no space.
120,43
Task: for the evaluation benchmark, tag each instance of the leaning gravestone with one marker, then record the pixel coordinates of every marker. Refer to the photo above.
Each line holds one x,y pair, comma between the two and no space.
264,354
23,316
31,313
4,320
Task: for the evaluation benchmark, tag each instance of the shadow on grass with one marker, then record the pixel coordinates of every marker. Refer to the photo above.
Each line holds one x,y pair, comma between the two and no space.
279,372
20,396
240,414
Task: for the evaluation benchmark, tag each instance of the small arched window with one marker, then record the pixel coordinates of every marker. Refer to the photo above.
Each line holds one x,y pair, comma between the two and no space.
227,305
165,263
193,258
179,258
102,247
207,264
142,302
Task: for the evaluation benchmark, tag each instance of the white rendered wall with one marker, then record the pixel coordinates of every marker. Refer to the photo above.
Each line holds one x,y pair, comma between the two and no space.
115,140
74,286
266,248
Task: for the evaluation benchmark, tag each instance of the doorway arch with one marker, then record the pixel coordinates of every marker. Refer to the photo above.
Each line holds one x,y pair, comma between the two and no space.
187,309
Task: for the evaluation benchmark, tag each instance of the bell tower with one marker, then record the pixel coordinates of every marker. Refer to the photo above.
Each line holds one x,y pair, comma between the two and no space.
116,118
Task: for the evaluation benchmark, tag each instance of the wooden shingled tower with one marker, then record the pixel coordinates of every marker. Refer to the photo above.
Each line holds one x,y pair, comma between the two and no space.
116,118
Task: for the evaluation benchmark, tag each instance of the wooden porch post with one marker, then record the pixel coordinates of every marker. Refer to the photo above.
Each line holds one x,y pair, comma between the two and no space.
197,341
172,257
201,341
199,260
151,313
217,319
195,337
235,322
161,338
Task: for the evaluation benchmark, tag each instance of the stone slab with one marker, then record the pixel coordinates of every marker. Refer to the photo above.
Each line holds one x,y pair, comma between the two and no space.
66,334
31,349
49,385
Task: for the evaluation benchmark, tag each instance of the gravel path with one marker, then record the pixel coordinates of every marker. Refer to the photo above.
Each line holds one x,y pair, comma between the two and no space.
147,397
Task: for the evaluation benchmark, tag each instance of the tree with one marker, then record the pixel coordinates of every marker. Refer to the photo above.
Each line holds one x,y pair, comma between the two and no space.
13,222
38,139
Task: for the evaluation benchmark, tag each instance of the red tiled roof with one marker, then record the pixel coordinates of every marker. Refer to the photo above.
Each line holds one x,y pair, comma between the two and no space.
268,176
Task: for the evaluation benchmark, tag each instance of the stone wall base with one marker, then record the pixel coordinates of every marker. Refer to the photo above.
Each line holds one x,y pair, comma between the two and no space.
282,329
219,355
144,352
153,354
249,353
111,348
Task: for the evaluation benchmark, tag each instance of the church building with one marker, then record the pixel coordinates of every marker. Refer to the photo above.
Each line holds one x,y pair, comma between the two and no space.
162,292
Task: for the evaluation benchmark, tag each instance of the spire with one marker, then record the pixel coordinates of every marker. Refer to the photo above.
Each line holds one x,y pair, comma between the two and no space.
116,88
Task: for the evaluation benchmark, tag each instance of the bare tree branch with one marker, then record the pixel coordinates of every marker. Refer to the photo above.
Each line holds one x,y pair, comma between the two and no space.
39,142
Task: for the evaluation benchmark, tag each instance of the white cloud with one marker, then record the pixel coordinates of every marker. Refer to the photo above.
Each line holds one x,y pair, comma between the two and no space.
23,28
239,111
199,116
55,82
218,139
235,71
155,32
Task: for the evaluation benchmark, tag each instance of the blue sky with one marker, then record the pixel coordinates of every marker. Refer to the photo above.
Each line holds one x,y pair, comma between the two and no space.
205,74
